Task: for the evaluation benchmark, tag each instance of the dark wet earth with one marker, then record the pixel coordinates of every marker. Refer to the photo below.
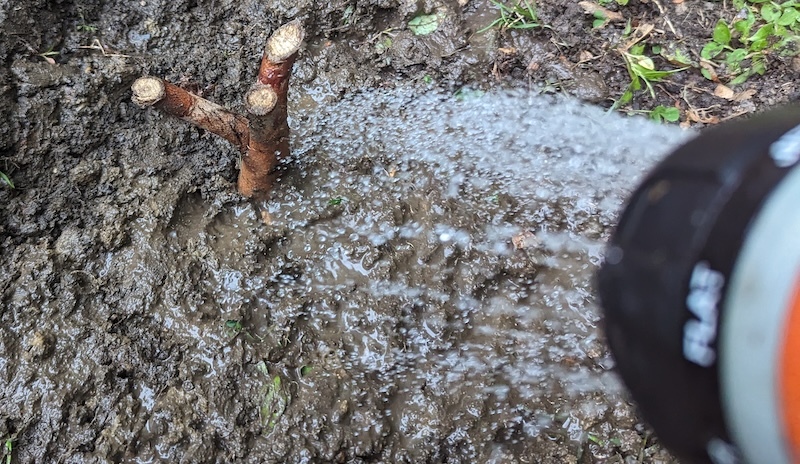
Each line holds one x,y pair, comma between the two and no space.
419,288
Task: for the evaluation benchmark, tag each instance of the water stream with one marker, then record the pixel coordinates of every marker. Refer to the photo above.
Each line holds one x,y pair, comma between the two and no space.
441,252
418,289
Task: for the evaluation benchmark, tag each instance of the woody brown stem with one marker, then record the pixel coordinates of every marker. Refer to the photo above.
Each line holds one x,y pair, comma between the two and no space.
269,128
173,100
264,136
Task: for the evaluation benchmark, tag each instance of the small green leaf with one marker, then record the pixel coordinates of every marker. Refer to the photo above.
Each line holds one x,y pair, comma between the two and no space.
740,79
233,325
625,98
465,93
335,201
770,12
273,405
622,100
680,57
600,19
424,24
636,83
596,440
6,180
722,33
788,17
759,45
711,50
637,49
671,114
305,370
758,66
666,113
644,62
735,57
743,26
762,33
274,398
707,74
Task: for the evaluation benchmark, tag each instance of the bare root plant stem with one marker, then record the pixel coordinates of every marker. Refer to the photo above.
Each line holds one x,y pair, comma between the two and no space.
262,136
269,130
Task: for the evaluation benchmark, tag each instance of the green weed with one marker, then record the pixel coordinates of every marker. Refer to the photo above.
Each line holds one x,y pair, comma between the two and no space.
8,450
675,55
521,15
426,24
335,201
602,15
6,180
762,27
89,28
618,2
234,328
600,20
596,440
642,71
84,26
275,399
664,113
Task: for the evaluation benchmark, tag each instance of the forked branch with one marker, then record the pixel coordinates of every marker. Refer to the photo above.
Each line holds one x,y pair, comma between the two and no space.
263,136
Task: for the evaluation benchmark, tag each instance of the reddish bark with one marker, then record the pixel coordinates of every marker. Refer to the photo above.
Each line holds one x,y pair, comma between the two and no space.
263,137
173,100
269,131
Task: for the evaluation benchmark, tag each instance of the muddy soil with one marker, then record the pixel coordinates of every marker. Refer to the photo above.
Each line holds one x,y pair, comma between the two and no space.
418,288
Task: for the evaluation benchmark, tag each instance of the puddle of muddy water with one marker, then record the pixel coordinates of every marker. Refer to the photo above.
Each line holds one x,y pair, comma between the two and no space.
481,220
422,290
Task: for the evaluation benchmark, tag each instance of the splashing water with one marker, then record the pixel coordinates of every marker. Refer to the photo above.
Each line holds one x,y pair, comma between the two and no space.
454,269
423,290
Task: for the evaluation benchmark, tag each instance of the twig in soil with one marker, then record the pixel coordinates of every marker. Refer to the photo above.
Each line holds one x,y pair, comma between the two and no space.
263,136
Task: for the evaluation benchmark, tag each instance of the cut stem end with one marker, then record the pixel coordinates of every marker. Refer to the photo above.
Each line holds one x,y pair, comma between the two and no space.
261,100
147,91
285,42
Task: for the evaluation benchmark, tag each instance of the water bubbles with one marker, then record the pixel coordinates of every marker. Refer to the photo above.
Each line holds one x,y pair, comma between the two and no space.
446,249
447,234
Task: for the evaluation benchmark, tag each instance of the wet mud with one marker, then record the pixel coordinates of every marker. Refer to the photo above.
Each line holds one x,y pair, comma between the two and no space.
417,289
